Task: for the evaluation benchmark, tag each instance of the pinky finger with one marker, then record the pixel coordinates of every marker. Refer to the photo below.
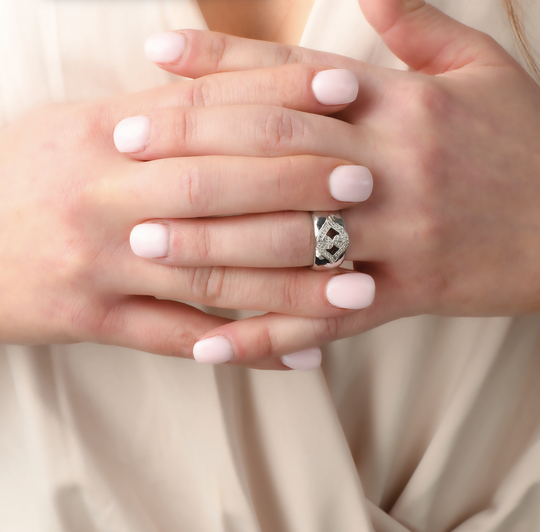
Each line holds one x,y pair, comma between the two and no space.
272,341
155,326
279,341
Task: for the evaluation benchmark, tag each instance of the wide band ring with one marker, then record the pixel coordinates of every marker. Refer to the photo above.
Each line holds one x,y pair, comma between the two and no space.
331,240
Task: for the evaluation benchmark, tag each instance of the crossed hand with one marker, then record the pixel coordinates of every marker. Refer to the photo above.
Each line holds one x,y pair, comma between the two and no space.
451,150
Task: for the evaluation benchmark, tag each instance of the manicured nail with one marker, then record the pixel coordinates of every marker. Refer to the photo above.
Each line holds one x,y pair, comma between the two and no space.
150,240
305,360
131,135
351,183
215,350
166,47
351,290
335,87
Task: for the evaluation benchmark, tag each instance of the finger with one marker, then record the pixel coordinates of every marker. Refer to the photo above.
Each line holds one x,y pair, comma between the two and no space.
191,187
298,291
195,53
273,240
272,336
283,239
428,40
159,327
166,328
309,88
250,130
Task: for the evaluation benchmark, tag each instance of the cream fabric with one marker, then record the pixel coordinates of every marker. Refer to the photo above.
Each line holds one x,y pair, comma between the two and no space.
424,425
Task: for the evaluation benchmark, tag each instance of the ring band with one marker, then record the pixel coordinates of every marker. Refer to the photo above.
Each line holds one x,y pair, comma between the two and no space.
331,240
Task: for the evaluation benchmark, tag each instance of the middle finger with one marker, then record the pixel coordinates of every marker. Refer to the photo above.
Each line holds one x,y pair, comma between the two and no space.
193,187
246,130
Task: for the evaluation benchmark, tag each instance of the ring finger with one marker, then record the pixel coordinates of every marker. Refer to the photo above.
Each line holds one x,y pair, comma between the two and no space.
296,291
273,240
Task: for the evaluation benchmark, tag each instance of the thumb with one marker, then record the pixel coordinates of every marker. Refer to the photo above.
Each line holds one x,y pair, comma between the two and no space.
426,39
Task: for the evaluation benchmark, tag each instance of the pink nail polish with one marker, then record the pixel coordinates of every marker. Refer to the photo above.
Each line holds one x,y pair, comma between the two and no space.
150,240
305,360
335,87
351,183
131,135
215,350
165,48
351,291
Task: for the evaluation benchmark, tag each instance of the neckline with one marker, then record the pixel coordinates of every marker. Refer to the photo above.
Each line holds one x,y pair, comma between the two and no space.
309,20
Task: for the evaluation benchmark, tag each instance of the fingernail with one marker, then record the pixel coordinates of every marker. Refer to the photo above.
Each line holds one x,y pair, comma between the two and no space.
351,183
305,360
215,350
166,47
351,290
335,87
150,240
131,135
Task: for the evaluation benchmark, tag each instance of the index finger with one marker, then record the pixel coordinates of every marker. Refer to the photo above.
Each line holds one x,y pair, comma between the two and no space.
196,53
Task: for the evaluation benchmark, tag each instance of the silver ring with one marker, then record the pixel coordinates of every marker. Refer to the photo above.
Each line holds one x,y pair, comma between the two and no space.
331,240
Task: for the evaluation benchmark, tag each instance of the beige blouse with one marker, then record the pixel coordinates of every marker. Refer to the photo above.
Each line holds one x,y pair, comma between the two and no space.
424,425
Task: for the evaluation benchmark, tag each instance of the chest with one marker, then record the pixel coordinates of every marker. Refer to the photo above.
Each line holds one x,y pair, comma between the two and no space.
270,20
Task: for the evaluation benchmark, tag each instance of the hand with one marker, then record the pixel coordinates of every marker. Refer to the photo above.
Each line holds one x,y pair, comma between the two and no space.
453,225
68,201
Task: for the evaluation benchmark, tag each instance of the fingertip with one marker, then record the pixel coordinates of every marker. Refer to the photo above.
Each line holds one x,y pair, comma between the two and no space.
306,360
351,183
214,350
165,48
131,134
353,291
150,240
335,87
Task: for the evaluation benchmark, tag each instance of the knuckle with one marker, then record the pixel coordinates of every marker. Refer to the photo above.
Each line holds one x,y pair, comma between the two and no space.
326,330
218,51
437,289
486,41
429,98
207,283
289,55
184,128
292,295
424,104
201,92
179,343
194,191
75,320
202,238
422,239
426,110
85,321
191,242
289,240
111,324
279,129
264,345
82,197
425,234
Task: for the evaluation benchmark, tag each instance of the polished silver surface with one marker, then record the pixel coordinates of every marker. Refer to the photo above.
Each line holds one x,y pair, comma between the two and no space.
331,239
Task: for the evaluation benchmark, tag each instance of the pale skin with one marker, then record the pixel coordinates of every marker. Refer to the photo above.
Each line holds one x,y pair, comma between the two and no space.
452,226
